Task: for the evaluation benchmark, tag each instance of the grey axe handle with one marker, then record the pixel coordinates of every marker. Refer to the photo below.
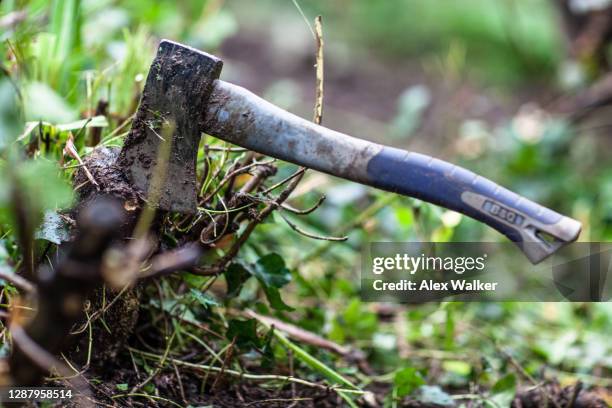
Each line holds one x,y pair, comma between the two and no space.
242,118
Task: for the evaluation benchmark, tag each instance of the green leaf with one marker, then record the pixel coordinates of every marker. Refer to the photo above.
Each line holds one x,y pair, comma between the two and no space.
504,390
235,276
407,380
245,333
271,270
458,367
357,321
149,388
40,187
122,387
43,186
274,297
96,121
194,281
204,299
405,216
10,116
65,25
507,382
43,103
272,274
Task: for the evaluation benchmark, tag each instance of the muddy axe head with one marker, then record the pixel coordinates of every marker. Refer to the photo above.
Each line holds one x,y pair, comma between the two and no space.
174,97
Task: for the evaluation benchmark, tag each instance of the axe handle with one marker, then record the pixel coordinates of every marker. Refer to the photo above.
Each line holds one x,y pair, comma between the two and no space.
242,118
537,230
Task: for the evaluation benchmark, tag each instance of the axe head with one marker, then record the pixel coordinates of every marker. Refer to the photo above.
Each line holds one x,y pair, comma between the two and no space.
174,97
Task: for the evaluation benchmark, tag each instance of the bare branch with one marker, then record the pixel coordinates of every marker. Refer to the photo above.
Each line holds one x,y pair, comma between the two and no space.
309,234
307,210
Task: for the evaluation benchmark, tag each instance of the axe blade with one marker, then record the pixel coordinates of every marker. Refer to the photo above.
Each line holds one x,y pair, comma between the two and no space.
175,94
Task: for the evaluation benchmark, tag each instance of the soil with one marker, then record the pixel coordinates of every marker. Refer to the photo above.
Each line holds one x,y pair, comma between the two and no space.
110,180
562,396
111,329
230,393
109,337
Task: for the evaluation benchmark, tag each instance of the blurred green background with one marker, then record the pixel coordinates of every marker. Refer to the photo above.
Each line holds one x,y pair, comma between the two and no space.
470,81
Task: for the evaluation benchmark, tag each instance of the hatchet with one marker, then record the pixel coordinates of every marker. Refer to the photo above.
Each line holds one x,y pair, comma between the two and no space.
183,88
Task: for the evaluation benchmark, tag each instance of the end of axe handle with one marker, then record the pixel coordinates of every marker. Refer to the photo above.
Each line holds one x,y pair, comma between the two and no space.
538,231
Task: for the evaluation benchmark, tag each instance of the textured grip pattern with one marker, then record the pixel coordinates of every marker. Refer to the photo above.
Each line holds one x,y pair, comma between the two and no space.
445,184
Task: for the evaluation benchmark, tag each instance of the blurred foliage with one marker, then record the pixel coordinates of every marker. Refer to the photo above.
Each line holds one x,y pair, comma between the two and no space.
501,41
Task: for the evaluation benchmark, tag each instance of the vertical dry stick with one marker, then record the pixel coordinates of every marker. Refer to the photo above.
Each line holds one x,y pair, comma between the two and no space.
284,195
318,109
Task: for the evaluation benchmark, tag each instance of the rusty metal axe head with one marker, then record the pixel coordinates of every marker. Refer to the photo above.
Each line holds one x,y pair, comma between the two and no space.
174,97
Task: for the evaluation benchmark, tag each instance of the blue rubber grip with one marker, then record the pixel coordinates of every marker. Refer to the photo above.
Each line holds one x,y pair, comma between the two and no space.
445,184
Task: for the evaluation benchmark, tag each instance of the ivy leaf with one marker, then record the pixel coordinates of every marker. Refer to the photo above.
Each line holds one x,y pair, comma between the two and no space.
245,333
274,297
407,380
235,276
271,271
